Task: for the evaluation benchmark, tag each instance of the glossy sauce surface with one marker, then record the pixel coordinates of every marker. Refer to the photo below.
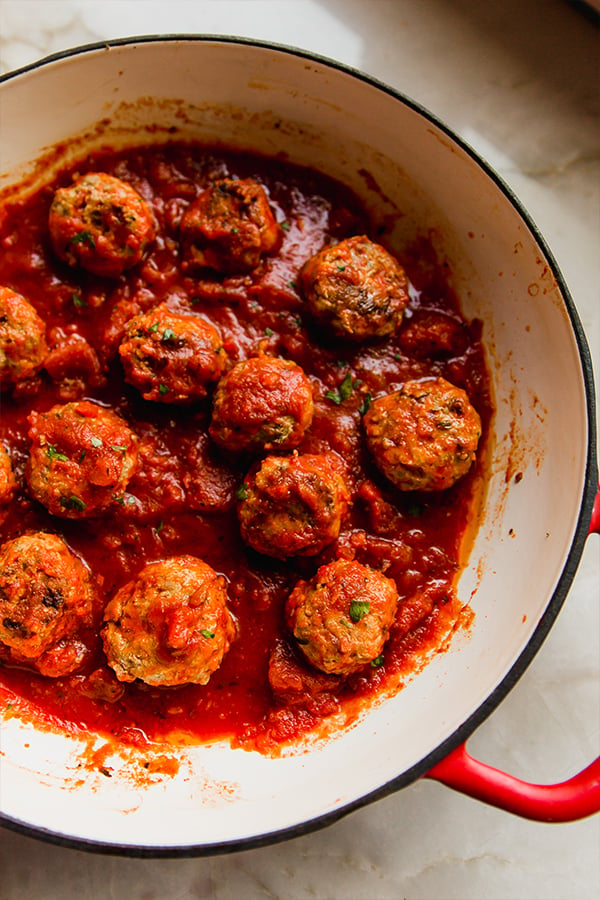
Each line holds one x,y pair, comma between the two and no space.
182,499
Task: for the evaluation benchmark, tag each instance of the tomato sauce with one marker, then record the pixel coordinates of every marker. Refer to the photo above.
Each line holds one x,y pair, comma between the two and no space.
182,498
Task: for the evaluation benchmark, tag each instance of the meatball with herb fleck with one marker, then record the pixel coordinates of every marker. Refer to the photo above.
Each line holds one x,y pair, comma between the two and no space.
101,224
23,345
293,505
172,357
341,618
263,403
8,482
356,289
229,227
170,625
81,458
423,437
46,599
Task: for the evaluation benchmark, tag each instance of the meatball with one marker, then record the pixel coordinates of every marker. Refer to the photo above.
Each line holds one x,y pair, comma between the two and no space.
263,403
433,334
341,618
356,289
424,436
23,345
171,357
8,483
170,625
81,458
228,227
101,224
46,598
294,505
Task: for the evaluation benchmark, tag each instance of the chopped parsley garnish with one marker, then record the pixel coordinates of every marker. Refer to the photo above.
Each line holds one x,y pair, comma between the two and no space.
118,447
168,334
158,528
378,661
343,392
163,389
84,236
153,328
269,332
358,609
78,301
341,268
207,634
364,406
285,226
53,453
72,502
96,441
242,492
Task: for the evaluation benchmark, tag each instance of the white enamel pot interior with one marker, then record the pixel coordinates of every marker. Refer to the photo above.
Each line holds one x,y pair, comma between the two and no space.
542,470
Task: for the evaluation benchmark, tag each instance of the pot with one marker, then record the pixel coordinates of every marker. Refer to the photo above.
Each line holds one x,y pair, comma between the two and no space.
541,499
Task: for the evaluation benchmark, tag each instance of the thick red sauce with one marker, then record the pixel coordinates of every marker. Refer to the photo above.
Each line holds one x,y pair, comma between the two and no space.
182,499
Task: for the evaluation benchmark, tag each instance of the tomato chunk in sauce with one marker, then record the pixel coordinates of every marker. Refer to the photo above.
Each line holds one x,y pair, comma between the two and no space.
142,327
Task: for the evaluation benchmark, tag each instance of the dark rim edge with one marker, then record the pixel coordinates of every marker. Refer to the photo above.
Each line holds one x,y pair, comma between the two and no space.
590,487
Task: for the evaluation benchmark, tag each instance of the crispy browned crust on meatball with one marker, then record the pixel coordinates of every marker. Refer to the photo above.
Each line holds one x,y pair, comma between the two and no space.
263,403
23,345
356,289
172,357
46,598
341,618
170,625
229,227
293,505
81,458
101,224
423,437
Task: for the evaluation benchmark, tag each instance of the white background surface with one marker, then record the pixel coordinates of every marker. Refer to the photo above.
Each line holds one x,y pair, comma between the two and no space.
519,80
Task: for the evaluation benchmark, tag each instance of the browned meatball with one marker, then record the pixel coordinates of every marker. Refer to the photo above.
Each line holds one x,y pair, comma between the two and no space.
171,357
424,436
170,625
263,403
101,224
433,334
23,345
341,618
46,598
293,505
356,289
229,227
8,483
81,458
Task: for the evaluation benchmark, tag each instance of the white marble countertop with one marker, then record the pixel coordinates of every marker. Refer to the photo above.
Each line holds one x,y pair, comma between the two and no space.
518,79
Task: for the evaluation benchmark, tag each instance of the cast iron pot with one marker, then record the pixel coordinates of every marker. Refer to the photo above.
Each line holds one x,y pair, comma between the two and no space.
542,480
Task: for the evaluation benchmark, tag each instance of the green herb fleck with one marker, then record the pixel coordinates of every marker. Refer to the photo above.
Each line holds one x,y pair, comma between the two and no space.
163,389
364,406
378,661
159,527
269,332
120,447
285,226
53,453
82,236
207,634
72,502
358,609
343,392
341,268
242,492
96,441
168,334
153,328
78,301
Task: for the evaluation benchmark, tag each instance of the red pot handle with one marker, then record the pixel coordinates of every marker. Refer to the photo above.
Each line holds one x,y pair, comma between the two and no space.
568,801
